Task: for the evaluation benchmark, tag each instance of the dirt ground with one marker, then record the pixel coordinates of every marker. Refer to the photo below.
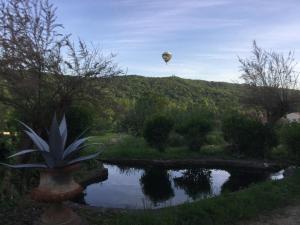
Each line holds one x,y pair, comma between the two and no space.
29,211
288,216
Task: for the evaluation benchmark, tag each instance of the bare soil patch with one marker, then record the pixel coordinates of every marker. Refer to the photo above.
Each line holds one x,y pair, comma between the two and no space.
289,215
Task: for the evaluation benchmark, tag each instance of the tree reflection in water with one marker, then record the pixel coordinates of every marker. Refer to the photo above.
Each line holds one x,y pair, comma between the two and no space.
128,171
195,182
240,179
156,185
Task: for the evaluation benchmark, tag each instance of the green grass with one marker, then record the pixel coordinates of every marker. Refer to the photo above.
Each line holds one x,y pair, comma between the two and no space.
125,146
227,209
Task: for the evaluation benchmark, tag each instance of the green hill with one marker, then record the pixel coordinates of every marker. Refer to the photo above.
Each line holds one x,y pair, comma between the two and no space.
118,95
175,89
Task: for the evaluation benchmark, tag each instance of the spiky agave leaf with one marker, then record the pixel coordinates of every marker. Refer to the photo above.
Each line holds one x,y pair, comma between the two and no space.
40,143
23,152
53,152
49,159
81,147
83,158
81,134
63,130
73,147
55,140
19,166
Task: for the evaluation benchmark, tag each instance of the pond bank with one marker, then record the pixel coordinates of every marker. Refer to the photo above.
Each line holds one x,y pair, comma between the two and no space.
156,187
226,209
251,165
94,176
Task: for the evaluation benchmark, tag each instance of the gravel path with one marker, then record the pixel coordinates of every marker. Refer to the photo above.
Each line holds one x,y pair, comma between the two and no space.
287,216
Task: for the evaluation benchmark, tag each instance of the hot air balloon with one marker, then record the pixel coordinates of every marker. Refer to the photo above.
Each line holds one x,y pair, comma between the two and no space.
166,56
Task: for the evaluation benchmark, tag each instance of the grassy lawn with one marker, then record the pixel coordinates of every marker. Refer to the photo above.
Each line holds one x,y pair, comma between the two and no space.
126,146
226,209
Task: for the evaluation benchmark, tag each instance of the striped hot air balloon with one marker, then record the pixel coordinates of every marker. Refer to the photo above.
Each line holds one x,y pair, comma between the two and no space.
166,56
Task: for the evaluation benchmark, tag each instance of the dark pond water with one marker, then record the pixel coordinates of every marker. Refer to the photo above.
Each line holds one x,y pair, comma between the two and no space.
157,187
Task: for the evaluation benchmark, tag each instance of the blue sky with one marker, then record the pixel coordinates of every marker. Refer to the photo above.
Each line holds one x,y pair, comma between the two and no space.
205,36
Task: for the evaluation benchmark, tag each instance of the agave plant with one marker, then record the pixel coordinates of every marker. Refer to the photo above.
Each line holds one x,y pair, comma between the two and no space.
55,152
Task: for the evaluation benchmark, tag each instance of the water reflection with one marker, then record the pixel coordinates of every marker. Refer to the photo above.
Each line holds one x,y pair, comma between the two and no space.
240,179
195,182
128,187
156,185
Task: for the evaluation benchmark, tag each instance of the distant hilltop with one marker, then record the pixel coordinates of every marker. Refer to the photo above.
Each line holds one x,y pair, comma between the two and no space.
174,88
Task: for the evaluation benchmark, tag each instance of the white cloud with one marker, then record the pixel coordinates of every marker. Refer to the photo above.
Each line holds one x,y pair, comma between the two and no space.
206,36
161,20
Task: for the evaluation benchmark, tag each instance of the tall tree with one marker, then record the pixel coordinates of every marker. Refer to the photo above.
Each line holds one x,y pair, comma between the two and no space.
41,69
271,79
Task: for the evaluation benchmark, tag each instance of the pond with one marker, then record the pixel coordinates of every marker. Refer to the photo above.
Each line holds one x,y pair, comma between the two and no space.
155,187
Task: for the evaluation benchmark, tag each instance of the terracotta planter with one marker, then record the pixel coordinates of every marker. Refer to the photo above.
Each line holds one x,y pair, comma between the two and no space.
56,186
58,214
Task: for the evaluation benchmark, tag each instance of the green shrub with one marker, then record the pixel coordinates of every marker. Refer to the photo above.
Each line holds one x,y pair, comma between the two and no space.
280,152
176,140
145,107
8,144
211,150
157,130
79,119
194,128
290,137
248,136
215,138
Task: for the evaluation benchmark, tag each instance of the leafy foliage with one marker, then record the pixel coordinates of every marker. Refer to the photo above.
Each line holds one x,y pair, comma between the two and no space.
290,137
157,130
175,139
80,118
178,91
271,80
37,58
194,125
247,135
55,152
145,107
6,145
124,105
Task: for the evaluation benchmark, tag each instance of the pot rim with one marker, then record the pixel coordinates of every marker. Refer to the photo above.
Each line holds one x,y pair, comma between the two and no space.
65,169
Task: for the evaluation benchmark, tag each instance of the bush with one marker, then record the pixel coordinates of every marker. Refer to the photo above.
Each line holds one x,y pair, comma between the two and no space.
215,138
147,106
79,119
176,140
280,152
194,129
7,144
248,136
3,150
290,137
211,150
157,130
